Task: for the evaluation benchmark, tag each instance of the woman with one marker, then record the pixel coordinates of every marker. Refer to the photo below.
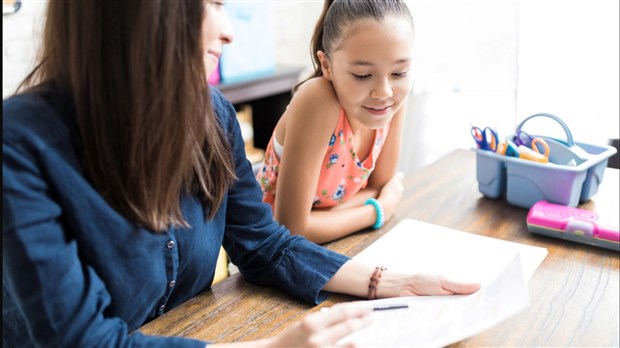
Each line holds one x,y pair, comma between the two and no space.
123,175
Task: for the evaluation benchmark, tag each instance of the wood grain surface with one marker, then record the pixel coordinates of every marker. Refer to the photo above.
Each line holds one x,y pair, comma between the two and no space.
574,294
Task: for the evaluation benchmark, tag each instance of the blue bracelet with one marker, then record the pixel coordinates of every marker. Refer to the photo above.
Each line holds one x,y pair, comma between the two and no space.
375,203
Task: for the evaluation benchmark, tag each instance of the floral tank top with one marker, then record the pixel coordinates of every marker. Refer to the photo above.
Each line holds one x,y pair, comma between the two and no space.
342,174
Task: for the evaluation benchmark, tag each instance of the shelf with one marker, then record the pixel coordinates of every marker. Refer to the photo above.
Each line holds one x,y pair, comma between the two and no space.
281,81
268,96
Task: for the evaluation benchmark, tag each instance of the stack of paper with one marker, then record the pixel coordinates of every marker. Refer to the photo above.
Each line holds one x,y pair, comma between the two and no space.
503,269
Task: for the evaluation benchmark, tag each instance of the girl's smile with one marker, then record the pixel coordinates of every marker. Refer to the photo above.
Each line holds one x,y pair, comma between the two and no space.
379,111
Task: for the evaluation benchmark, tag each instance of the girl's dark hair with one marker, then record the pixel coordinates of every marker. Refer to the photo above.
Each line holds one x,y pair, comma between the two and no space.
135,71
338,15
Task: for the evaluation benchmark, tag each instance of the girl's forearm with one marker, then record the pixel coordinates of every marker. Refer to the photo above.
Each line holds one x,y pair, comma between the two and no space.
327,225
359,199
353,215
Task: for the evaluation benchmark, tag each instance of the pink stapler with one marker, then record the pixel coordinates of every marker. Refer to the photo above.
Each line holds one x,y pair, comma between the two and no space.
574,224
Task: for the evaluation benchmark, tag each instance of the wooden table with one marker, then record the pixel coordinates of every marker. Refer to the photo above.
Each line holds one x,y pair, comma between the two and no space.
574,294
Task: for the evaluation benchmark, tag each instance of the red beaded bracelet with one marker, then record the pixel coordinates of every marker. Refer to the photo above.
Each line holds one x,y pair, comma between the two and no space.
374,282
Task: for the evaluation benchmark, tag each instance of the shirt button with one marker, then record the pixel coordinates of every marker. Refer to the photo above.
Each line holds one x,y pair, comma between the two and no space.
170,244
172,283
161,308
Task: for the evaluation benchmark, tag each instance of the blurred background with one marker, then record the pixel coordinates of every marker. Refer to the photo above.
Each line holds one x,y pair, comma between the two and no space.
476,62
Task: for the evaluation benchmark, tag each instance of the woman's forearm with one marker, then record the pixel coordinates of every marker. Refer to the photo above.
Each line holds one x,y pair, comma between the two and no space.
351,279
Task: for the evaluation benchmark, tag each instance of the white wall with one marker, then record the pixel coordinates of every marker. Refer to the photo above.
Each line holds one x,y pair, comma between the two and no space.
495,62
465,59
20,31
294,25
482,62
568,65
293,29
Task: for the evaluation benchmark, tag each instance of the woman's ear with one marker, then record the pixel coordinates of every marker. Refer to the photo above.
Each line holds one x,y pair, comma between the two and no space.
325,67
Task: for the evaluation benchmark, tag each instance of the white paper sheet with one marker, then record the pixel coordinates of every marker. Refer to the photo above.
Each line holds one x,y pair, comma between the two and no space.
503,268
416,246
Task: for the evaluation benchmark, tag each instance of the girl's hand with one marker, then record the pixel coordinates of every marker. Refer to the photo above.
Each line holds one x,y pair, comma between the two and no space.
390,195
324,328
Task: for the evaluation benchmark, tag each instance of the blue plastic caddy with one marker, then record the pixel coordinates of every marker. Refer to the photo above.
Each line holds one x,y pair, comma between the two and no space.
525,182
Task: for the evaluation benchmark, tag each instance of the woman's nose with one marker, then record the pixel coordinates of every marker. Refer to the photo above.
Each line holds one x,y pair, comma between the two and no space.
226,33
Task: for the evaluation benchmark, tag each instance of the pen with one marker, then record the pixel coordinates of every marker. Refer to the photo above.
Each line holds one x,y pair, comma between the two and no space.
390,306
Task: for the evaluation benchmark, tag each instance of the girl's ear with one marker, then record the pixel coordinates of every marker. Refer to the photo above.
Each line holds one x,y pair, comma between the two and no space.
325,67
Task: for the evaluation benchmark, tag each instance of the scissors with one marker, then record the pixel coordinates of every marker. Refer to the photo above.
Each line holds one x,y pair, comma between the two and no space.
537,144
485,138
522,138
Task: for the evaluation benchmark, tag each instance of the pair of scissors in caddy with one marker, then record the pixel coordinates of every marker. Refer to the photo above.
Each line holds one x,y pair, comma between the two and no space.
530,147
485,138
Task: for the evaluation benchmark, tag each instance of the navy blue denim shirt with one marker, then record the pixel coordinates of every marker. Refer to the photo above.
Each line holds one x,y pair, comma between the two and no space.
76,273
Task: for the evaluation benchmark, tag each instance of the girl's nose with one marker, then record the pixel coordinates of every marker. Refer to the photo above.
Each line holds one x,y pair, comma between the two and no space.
381,90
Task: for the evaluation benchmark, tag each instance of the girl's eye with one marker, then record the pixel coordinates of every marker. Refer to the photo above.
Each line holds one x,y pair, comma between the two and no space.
361,77
400,75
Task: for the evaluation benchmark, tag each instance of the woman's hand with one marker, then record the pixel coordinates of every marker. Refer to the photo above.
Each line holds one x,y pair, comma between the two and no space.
319,329
395,285
324,328
390,195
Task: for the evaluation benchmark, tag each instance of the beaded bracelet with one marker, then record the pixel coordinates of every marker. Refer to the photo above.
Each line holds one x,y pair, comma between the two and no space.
377,205
374,282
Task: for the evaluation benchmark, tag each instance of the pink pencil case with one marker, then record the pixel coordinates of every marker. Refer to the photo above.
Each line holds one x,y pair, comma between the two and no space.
573,224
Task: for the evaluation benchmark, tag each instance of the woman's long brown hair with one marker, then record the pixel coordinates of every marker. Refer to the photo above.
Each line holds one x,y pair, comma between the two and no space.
135,72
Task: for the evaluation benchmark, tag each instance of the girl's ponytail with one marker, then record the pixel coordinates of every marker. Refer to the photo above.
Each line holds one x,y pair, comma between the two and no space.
316,44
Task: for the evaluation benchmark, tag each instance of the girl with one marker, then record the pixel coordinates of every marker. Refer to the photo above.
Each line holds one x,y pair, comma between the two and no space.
123,174
330,166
